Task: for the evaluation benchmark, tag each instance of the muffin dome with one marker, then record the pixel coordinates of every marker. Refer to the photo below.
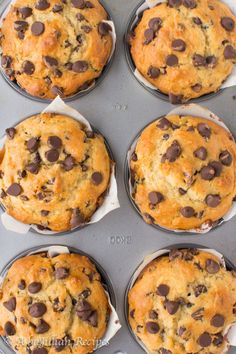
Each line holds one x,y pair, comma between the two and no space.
55,47
51,305
54,172
183,172
185,48
183,303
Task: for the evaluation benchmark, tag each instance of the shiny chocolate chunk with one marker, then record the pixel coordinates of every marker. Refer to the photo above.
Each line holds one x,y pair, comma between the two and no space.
42,327
97,178
153,72
187,212
34,287
80,66
179,45
77,218
42,5
171,306
14,190
9,329
226,158
152,327
10,132
10,305
218,321
37,310
201,153
37,28
212,267
104,28
172,60
52,155
32,144
204,130
227,23
204,340
25,12
163,290
28,67
213,200
155,198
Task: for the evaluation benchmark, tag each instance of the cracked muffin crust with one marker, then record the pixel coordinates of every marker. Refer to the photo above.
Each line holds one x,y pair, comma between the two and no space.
51,305
182,303
185,48
183,172
54,172
55,47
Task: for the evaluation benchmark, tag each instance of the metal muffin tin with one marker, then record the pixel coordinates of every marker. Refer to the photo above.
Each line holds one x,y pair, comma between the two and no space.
130,28
119,108
105,280
75,96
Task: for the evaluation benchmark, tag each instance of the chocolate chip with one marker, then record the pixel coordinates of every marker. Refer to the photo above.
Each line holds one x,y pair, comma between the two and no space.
11,132
61,273
25,12
163,290
68,163
42,327
187,212
10,304
226,158
218,320
80,17
204,340
175,99
174,3
22,285
211,61
149,35
217,166
212,267
153,315
229,52
93,319
171,306
85,294
196,87
134,157
86,29
28,67
200,289
173,152
84,310
57,73
204,130
21,25
56,90
155,197
89,5
78,4
197,21
97,178
199,60
104,28
54,142
155,24
37,28
42,5
213,200
152,327
57,8
80,66
201,153
77,218
33,168
179,45
37,310
165,351
172,60
218,340
153,72
40,351
175,253
14,190
52,155
190,4
164,124
35,287
37,158
227,23
6,61
181,331
51,62
9,329
44,212
32,144
207,173
182,191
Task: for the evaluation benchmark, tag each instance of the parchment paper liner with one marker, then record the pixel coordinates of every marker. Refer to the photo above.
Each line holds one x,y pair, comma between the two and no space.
230,81
110,202
230,331
114,322
114,39
195,110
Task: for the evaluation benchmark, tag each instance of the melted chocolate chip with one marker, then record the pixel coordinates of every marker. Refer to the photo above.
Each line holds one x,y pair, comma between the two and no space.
28,67
190,4
163,290
14,190
80,66
57,8
54,142
22,285
42,327
211,61
104,28
155,24
69,163
175,99
37,310
44,212
218,321
56,90
187,212
11,132
32,144
227,23
152,327
200,289
218,340
10,304
213,200
212,267
201,153
52,155
217,166
226,158
196,87
155,198
21,26
61,273
173,152
25,12
164,124
204,130
77,218
78,4
33,168
174,3
204,340
37,28
171,306
6,61
9,329
229,52
207,173
179,45
197,21
153,315
97,178
172,60
51,62
182,191
42,5
39,351
199,60
153,72
35,287
149,35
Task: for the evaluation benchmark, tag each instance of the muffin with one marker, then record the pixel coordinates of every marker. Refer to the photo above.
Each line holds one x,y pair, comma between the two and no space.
51,305
183,303
55,47
54,172
185,48
183,172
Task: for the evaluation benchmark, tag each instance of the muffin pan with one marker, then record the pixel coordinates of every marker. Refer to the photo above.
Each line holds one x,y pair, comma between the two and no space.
119,108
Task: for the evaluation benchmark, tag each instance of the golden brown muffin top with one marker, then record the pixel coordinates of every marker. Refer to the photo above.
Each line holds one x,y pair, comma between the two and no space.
53,47
185,48
58,302
183,172
54,172
183,303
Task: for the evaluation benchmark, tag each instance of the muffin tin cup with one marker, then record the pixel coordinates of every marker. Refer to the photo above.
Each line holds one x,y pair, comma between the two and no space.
74,96
54,250
132,23
58,106
187,109
231,331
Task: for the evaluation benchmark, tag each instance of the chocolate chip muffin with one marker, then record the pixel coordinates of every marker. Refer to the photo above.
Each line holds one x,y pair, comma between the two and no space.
185,48
183,172
55,47
51,305
54,172
183,303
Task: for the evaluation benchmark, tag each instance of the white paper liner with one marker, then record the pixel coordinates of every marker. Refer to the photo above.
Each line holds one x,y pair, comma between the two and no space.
114,322
229,82
230,331
112,32
195,110
111,201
